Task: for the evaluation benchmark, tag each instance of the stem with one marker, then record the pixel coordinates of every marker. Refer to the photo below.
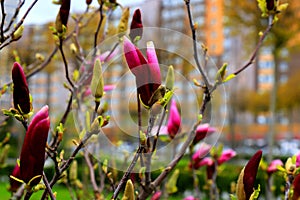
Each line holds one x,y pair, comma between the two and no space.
2,21
195,179
258,46
2,45
65,62
288,184
214,194
92,174
48,186
21,3
98,29
128,172
200,68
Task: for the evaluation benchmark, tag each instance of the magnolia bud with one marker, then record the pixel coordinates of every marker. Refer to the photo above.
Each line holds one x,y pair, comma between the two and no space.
170,78
129,191
123,24
97,83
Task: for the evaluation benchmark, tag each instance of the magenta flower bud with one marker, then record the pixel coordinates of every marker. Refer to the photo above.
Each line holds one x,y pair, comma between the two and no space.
88,2
136,27
207,161
273,166
201,152
173,125
203,131
14,184
21,92
156,195
250,172
108,88
64,11
190,198
225,156
147,73
298,160
33,150
270,4
107,55
296,185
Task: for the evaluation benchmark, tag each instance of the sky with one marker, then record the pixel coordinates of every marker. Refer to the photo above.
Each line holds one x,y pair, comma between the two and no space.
45,11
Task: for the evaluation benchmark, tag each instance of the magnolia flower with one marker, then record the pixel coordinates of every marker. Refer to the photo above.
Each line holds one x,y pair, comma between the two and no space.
198,156
21,92
225,156
202,131
273,166
174,120
207,161
296,185
146,72
14,184
247,177
156,195
33,150
136,27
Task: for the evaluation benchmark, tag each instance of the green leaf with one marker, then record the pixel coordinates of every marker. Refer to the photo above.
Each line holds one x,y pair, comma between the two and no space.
255,194
229,77
262,4
171,184
232,197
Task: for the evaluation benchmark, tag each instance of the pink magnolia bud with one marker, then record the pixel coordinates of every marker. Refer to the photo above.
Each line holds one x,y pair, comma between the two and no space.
136,27
225,156
298,160
190,198
14,184
203,131
201,152
33,150
147,73
156,195
21,92
273,166
174,120
207,161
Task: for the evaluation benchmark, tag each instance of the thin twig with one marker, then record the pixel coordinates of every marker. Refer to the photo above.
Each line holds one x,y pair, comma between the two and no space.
127,173
193,29
2,21
65,62
18,25
92,174
258,46
98,29
20,5
48,186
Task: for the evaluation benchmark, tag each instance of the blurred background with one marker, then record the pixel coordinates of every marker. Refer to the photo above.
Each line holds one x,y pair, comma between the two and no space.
262,102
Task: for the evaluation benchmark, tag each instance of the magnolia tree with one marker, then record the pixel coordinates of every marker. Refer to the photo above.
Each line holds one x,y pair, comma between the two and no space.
160,125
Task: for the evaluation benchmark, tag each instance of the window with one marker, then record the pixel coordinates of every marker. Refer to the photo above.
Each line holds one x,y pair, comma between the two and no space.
283,66
266,64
